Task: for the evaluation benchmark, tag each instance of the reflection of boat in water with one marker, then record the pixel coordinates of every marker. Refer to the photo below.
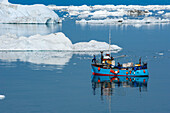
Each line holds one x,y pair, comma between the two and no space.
107,86
107,70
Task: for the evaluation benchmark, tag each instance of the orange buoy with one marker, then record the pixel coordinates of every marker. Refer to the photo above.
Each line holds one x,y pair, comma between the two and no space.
144,71
143,80
98,68
98,80
117,71
112,79
130,72
112,71
126,72
127,78
93,73
130,79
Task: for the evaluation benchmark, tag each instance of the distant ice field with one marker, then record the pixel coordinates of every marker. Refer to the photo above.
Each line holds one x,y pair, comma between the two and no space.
115,14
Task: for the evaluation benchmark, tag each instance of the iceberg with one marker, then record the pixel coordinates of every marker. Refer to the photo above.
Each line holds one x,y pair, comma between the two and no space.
16,13
167,15
94,45
57,41
110,7
111,14
29,29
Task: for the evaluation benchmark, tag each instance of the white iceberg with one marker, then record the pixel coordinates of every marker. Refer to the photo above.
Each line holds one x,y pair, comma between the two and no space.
110,7
94,46
167,15
29,29
160,12
15,13
134,14
56,41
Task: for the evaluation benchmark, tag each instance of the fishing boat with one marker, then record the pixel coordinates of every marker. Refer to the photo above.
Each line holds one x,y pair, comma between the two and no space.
108,70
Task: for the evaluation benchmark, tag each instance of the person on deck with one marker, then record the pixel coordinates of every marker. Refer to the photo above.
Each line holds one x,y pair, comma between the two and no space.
101,56
140,60
94,59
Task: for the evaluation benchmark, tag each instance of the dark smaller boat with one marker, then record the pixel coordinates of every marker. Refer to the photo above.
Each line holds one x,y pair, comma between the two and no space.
107,70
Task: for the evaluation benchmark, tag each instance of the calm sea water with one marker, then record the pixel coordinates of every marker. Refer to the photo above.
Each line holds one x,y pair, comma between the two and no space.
60,82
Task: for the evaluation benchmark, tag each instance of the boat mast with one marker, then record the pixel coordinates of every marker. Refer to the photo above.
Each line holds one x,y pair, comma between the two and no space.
109,41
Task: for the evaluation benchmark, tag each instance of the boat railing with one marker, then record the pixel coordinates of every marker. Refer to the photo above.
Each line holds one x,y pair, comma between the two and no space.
106,66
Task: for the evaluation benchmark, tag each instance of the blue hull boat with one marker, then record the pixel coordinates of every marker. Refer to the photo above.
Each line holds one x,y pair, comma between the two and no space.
120,75
107,70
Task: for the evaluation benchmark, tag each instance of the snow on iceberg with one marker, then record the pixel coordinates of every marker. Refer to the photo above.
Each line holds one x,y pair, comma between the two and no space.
4,1
94,46
15,13
56,41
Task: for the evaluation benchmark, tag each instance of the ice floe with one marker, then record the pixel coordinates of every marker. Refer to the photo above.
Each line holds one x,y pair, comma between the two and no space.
167,15
109,7
133,14
2,97
94,46
56,41
53,49
16,13
160,12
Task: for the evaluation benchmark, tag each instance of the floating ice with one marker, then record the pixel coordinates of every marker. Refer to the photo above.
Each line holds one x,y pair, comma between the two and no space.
94,46
15,13
57,41
136,14
167,15
52,49
160,12
125,21
2,97
161,53
110,7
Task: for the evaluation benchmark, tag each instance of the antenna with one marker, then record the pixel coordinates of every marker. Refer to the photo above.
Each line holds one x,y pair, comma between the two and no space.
109,41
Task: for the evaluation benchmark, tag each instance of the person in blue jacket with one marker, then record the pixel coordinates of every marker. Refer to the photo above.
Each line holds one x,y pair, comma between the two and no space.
94,59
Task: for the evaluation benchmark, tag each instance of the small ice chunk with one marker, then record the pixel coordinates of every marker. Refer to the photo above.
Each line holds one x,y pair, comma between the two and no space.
2,97
160,12
167,15
161,54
